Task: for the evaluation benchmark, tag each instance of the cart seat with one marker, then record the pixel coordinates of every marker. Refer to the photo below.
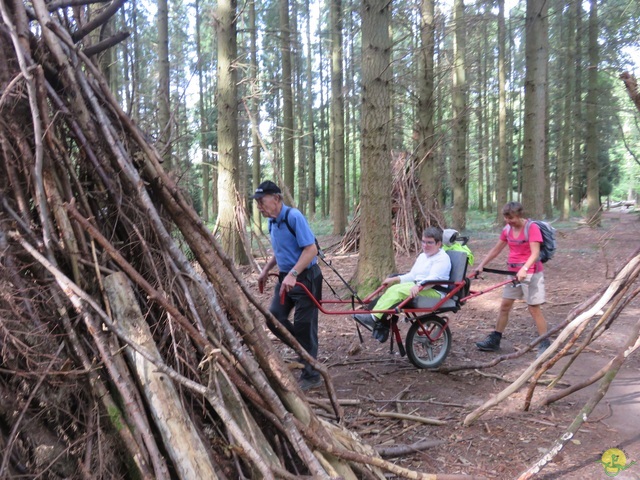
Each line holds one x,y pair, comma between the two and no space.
458,274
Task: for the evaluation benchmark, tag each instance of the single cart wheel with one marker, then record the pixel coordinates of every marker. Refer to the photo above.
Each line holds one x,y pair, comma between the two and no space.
428,341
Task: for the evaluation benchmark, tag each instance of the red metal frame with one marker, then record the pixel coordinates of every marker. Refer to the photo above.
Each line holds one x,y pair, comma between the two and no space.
411,314
399,309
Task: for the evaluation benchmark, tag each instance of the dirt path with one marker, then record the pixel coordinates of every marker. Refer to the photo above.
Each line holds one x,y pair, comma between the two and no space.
505,440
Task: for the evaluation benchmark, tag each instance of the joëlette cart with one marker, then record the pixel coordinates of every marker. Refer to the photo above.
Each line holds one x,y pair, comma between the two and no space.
428,339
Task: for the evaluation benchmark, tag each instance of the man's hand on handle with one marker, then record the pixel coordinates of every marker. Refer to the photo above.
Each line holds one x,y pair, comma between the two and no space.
288,283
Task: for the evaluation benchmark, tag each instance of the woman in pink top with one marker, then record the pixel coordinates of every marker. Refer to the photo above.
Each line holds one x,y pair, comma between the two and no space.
523,262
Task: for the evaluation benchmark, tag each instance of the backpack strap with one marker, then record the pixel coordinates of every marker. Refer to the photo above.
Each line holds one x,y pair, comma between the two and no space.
285,220
526,229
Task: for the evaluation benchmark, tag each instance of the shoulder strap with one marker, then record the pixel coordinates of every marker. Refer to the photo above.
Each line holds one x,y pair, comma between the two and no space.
526,230
286,222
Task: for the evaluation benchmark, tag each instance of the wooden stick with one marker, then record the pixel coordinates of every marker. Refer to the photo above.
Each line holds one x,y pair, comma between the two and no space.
633,342
613,288
404,416
400,450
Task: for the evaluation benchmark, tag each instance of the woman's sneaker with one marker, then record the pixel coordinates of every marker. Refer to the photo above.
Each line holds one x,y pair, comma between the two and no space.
542,346
491,343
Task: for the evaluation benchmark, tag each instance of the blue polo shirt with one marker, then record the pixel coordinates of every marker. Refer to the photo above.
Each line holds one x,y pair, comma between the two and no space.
287,247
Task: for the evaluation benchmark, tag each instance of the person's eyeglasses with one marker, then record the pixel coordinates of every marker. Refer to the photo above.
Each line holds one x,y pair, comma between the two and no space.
428,242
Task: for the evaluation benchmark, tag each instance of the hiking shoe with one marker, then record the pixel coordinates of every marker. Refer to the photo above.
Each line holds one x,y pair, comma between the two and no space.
542,346
491,343
309,383
380,332
366,320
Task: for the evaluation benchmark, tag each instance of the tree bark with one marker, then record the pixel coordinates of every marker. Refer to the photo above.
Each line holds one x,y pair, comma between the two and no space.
577,170
336,133
594,211
288,133
430,181
164,85
376,259
631,84
535,110
566,142
503,176
460,121
229,218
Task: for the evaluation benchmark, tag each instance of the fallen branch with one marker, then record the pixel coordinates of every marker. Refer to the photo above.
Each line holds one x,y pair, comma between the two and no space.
401,450
404,416
613,288
632,344
617,305
591,380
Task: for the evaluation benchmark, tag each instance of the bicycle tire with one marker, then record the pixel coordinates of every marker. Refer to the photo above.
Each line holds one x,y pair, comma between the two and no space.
421,350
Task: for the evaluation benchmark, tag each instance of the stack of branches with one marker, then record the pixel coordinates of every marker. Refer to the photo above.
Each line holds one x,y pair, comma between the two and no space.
408,212
587,322
120,355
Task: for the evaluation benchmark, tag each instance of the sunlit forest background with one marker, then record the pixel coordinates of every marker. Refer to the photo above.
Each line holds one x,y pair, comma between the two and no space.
285,66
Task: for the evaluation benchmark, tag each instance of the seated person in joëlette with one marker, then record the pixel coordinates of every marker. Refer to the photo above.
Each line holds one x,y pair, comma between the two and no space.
432,264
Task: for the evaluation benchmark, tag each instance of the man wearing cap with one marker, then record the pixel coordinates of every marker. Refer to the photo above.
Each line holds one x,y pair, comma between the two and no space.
295,253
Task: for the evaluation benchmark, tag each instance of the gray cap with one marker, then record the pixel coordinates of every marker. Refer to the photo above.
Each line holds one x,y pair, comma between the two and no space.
449,236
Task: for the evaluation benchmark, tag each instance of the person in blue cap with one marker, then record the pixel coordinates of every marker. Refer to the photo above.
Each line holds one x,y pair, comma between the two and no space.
295,253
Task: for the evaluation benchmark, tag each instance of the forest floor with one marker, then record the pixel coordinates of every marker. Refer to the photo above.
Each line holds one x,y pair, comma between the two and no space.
506,440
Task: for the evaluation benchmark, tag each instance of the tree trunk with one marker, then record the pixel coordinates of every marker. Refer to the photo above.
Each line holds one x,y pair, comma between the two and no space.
376,258
460,121
535,110
299,112
426,149
577,171
164,84
311,131
254,108
206,175
566,142
592,164
288,147
338,204
482,108
229,220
